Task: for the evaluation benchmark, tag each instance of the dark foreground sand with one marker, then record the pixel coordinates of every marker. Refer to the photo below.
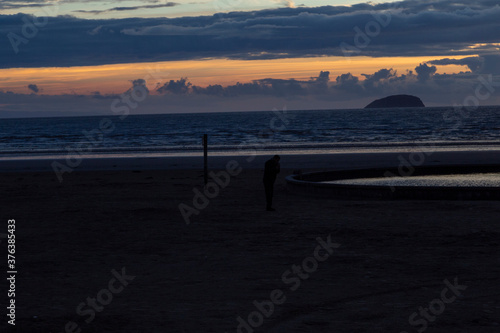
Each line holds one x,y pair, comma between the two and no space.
394,257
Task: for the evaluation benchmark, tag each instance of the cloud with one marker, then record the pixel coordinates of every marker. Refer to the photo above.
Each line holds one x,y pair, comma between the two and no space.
19,4
175,87
323,78
385,81
34,88
425,72
138,83
269,86
121,9
319,92
348,82
287,3
377,80
491,64
415,28
139,89
485,64
473,63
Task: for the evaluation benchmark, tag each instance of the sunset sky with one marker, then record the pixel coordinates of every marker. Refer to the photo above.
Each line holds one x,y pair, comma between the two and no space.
71,57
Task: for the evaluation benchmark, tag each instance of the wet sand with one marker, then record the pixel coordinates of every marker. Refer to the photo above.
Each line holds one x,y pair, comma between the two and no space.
393,258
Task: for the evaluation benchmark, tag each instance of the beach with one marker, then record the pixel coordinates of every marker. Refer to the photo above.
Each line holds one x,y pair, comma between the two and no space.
352,183
112,234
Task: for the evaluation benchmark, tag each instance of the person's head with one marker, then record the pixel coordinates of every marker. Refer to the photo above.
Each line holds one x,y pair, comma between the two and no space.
276,158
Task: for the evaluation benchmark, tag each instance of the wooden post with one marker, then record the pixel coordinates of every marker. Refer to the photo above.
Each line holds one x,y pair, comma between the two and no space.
205,157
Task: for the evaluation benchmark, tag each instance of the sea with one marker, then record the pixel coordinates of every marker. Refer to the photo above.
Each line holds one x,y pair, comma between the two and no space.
238,133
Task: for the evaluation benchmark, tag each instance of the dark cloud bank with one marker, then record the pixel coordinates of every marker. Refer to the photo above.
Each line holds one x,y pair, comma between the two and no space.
414,28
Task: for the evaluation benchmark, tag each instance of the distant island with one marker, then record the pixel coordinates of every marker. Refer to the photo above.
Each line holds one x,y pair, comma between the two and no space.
396,101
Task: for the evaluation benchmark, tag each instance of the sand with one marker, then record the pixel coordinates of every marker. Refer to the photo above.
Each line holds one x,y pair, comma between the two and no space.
393,256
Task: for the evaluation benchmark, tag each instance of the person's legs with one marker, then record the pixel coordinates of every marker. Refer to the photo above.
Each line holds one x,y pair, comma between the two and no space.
269,194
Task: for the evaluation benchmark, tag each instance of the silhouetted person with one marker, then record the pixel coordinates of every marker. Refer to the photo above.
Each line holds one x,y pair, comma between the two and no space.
272,168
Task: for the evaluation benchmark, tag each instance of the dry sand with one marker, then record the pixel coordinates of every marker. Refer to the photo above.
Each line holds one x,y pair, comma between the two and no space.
394,257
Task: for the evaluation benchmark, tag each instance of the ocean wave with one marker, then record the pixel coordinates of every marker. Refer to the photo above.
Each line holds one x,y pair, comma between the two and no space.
256,146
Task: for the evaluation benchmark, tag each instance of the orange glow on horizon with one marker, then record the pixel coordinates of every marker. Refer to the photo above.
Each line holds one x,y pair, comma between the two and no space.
117,78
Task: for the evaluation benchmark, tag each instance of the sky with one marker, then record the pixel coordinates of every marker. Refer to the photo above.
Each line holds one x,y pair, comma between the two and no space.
82,57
